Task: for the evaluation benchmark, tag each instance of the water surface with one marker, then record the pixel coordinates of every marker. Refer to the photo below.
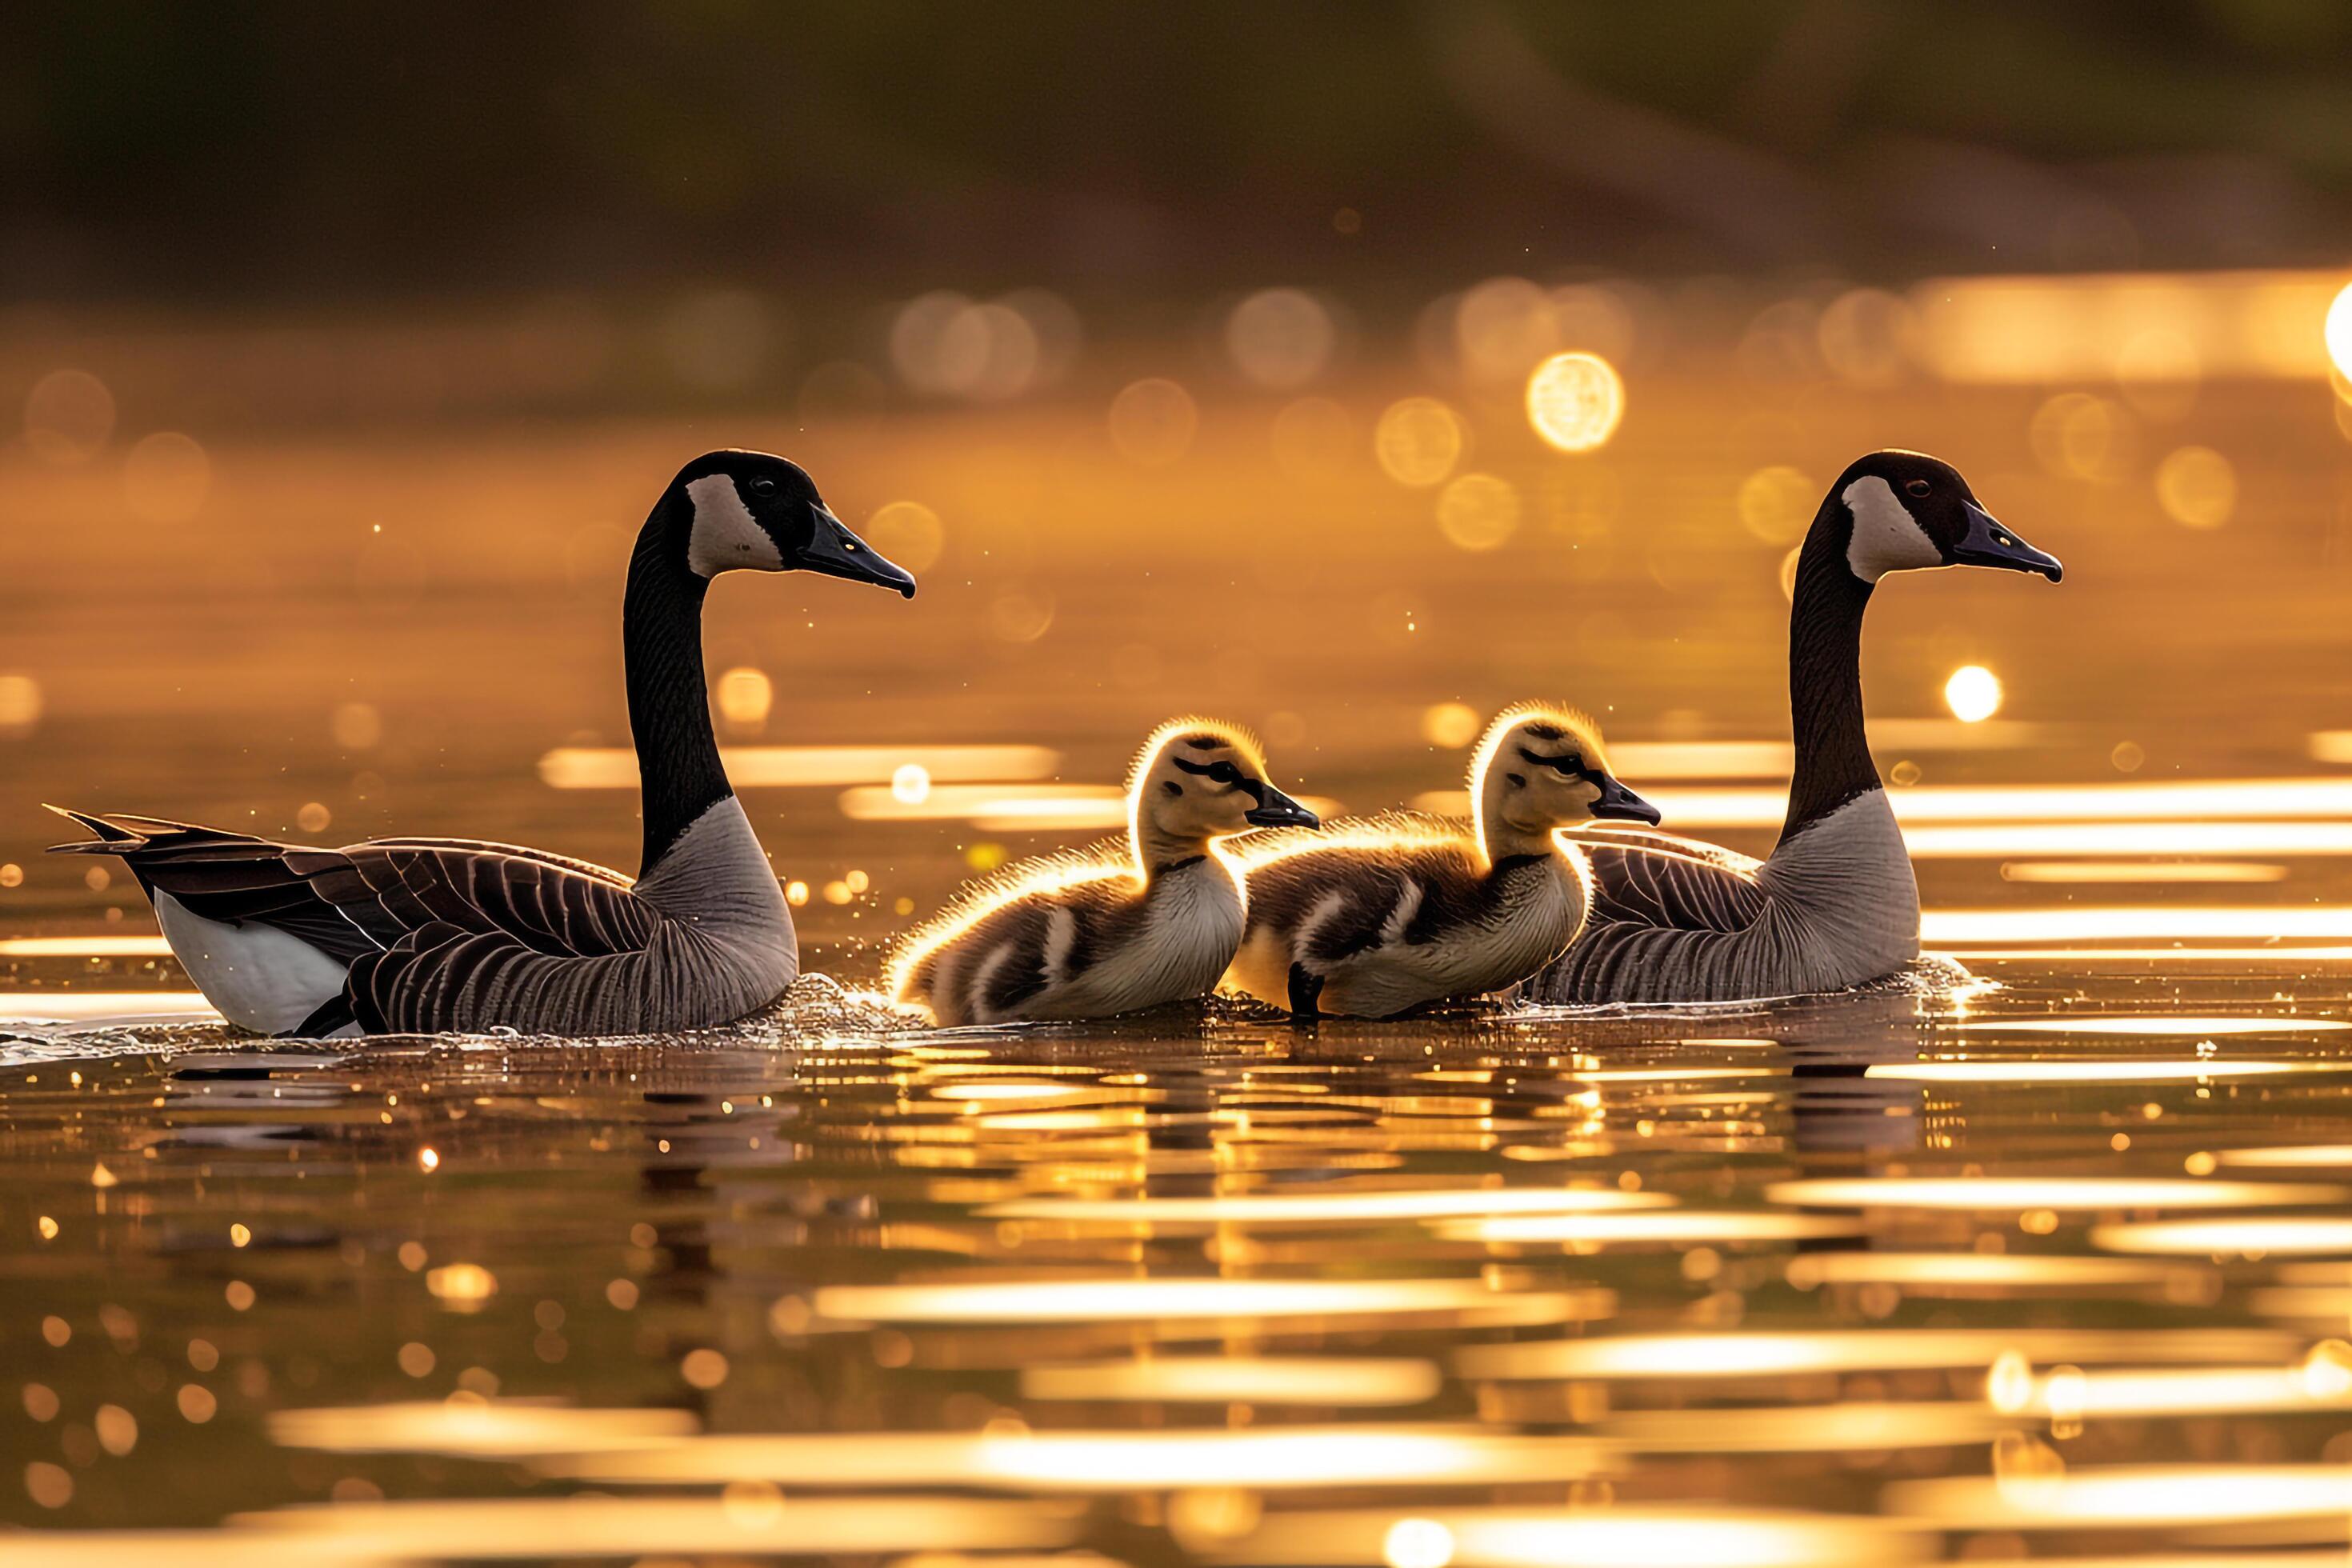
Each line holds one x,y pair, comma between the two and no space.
2053,1266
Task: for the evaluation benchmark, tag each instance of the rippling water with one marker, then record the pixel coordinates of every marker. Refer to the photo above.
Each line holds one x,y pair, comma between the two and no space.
2052,1264
1860,1280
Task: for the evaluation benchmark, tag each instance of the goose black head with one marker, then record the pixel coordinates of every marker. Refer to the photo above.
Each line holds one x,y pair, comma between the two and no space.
1910,510
752,511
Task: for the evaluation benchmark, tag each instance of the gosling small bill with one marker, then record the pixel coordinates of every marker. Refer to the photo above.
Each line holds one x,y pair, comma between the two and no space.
1377,918
1118,928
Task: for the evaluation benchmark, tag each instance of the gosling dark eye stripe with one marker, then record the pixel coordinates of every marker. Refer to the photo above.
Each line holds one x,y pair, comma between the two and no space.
1567,765
1249,786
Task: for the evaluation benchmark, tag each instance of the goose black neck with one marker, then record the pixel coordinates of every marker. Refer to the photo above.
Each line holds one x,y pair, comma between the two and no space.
669,702
1834,764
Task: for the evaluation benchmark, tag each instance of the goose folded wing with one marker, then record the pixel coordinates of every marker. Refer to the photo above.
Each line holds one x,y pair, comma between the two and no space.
1657,880
443,978
366,898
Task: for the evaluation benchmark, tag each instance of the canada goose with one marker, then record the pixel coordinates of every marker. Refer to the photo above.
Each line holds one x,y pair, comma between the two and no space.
415,935
1119,927
1379,917
1835,906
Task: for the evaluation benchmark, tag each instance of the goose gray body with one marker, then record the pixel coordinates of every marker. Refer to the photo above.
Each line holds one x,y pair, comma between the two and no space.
1834,908
430,935
1836,904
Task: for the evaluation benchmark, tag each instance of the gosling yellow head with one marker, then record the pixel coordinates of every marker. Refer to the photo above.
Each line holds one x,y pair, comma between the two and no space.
1541,767
1197,781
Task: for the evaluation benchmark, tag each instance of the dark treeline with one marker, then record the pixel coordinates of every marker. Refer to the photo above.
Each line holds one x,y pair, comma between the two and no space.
279,149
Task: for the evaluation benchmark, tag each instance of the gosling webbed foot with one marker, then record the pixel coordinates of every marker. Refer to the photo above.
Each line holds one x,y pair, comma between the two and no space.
1306,990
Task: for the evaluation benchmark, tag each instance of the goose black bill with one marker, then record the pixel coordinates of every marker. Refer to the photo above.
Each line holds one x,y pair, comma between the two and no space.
836,552
1988,544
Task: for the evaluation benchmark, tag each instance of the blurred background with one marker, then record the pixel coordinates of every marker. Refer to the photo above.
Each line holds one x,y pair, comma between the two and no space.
1348,370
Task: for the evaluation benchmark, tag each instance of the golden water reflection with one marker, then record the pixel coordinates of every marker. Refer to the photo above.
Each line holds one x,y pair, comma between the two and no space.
1515,1289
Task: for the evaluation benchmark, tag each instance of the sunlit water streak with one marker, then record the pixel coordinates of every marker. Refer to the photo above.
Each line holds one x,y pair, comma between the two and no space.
2131,1496
2305,1237
2325,1156
1677,1227
2135,923
754,767
86,1006
1327,1208
1091,1300
1977,1193
1238,1379
1769,1355
2149,1024
2107,1070
2072,873
150,946
1631,1536
1104,1461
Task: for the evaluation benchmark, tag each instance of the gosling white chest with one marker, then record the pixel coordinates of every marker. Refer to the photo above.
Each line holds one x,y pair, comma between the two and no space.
1191,922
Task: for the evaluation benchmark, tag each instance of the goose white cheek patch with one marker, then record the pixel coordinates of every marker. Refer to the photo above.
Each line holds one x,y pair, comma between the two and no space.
1886,537
725,536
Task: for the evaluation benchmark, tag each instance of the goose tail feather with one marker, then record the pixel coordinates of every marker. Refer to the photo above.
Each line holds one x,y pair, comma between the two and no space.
112,839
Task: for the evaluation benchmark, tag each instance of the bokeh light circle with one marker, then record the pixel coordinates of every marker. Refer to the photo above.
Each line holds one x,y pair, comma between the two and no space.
2197,486
1452,725
1418,441
907,533
1478,512
1280,339
1973,694
1152,422
2339,331
1575,401
1776,504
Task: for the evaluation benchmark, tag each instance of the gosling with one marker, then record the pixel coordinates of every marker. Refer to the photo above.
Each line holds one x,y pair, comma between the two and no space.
1118,928
1377,918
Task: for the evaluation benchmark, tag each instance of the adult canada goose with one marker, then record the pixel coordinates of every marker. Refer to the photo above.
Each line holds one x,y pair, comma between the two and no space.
1117,928
1835,906
415,935
1380,917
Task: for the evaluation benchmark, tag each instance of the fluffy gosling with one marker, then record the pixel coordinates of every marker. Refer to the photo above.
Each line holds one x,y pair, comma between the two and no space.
1379,917
1118,928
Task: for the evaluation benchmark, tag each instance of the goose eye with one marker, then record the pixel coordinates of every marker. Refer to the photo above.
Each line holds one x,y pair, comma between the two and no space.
1917,486
763,487
1226,773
